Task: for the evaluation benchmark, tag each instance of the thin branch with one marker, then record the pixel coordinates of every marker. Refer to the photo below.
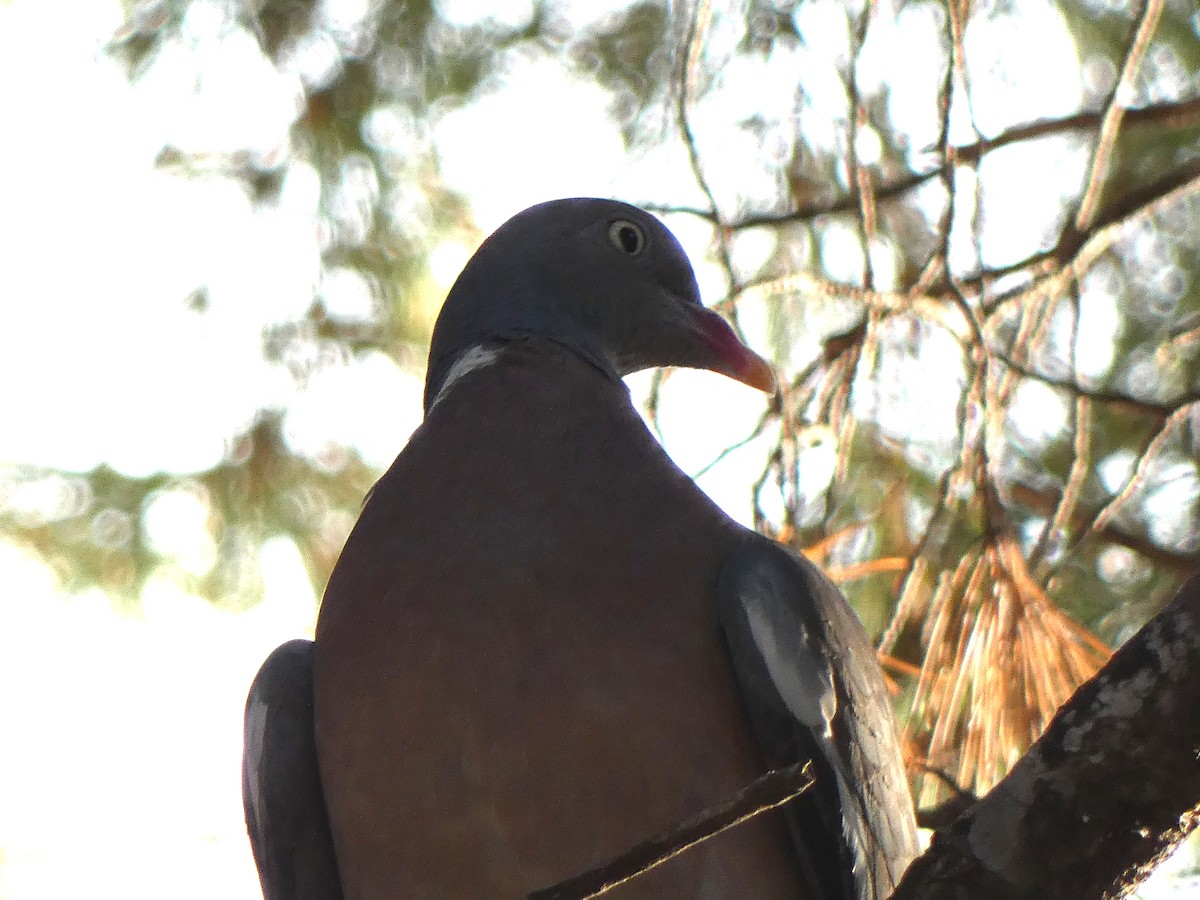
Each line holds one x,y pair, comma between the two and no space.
771,790
764,420
854,571
862,350
694,44
914,301
1047,502
1114,111
1173,115
910,584
1160,408
1138,476
1079,467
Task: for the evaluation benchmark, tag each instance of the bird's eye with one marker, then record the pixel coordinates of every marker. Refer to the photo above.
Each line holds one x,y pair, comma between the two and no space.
627,237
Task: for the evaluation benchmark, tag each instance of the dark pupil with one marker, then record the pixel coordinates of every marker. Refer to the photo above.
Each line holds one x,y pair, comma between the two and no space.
629,239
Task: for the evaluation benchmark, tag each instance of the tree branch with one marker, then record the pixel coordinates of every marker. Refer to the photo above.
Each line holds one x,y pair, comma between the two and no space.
1103,796
1073,387
1046,501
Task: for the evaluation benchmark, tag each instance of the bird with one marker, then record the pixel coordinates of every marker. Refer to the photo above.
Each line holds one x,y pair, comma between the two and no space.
284,804
543,643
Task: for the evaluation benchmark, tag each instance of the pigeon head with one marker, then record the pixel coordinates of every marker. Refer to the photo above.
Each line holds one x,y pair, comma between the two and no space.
604,279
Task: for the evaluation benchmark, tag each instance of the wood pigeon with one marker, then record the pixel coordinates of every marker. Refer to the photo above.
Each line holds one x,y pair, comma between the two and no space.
543,643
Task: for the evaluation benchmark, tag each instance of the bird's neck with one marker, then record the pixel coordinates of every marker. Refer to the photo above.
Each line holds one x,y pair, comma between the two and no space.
446,370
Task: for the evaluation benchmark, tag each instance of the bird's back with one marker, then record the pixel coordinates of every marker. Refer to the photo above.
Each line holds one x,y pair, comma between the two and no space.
519,670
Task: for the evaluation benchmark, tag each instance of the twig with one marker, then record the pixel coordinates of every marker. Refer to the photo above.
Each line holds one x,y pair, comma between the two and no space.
772,790
1114,111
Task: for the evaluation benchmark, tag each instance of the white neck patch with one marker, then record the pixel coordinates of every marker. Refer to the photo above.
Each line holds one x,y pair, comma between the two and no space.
474,358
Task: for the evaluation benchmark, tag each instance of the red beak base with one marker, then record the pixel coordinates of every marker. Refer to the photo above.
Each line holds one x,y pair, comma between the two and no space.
732,358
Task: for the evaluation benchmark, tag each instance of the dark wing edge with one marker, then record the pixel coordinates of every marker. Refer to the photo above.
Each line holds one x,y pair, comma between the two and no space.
812,687
285,809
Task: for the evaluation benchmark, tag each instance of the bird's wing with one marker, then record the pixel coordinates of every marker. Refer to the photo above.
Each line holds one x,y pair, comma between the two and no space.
281,785
813,689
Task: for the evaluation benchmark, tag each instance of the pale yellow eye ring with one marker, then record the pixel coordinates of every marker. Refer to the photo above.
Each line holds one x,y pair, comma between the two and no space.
626,236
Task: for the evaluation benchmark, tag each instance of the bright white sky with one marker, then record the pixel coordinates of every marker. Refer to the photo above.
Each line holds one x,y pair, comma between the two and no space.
119,767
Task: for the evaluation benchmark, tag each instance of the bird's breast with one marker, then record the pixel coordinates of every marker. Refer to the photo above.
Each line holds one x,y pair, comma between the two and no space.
519,672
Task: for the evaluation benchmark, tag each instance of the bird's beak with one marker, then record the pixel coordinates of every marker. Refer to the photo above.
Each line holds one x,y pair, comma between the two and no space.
730,356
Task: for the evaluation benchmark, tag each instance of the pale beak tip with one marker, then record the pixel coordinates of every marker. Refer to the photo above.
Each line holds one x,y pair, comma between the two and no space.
757,373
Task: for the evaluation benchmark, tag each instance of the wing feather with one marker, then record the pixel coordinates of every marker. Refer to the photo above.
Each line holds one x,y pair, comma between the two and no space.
813,690
281,785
